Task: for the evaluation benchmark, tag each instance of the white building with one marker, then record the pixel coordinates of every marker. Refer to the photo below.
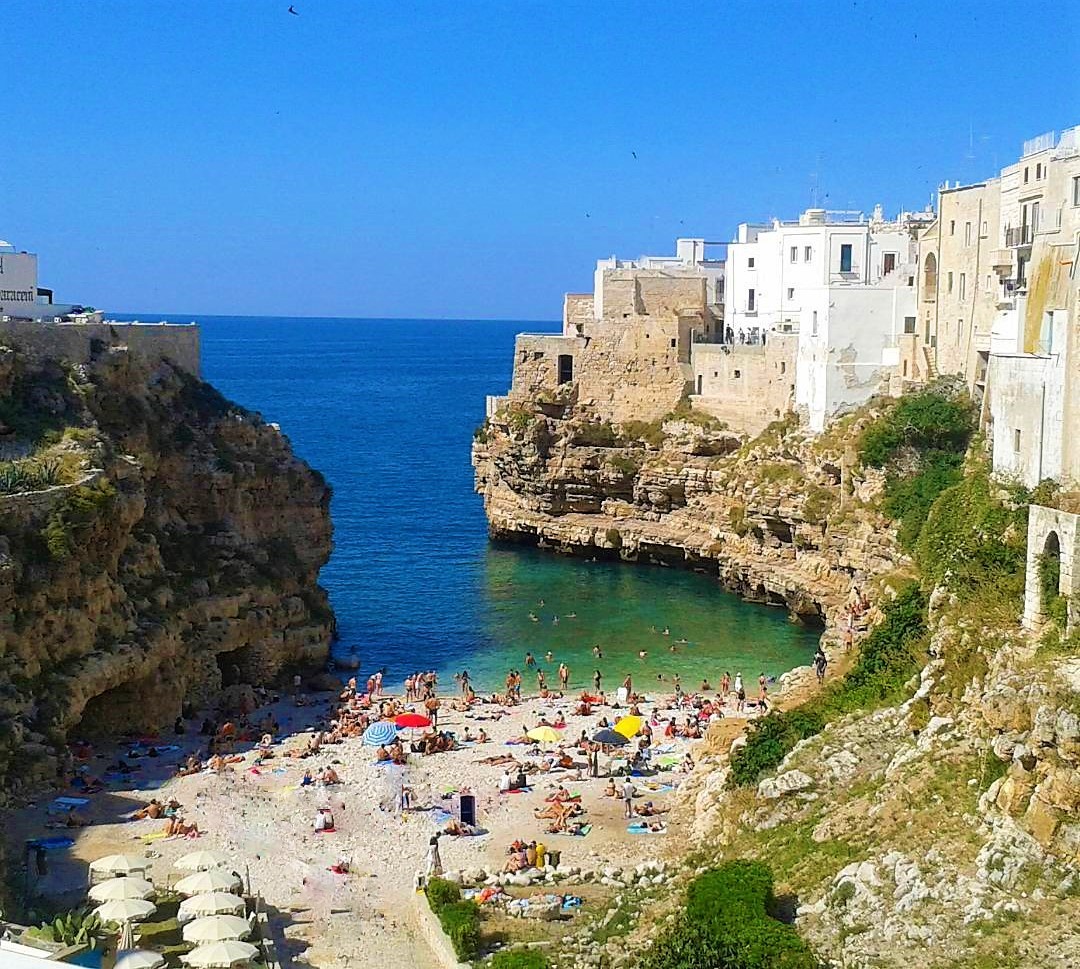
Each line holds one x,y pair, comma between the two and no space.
845,284
21,298
1033,378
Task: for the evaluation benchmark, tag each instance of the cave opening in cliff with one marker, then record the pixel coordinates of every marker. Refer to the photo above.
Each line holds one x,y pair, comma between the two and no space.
138,707
234,666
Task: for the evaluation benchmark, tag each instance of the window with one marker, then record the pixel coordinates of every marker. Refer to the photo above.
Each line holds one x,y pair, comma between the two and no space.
909,324
750,263
888,263
963,287
699,379
791,292
1025,182
845,257
967,233
813,324
794,254
1038,170
737,374
1016,440
674,343
566,368
959,332
952,227
808,251
750,303
984,227
783,366
1076,189
948,286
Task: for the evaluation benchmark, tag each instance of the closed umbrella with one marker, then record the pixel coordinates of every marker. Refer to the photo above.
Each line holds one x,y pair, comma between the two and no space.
125,910
216,928
213,880
221,955
380,733
201,861
118,865
127,936
139,959
545,735
629,726
609,737
114,888
212,903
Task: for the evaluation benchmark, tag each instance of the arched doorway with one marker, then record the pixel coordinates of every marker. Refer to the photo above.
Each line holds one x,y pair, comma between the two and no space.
1052,603
930,276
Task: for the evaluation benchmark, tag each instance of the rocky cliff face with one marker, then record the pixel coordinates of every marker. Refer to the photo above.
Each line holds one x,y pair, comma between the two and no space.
765,517
157,543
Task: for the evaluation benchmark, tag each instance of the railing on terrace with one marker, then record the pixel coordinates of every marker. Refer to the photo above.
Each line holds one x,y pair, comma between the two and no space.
1020,235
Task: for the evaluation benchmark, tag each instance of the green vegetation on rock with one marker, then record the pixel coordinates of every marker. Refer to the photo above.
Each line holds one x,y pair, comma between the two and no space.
726,925
888,658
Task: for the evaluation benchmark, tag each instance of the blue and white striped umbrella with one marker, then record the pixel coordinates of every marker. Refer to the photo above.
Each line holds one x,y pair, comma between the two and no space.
380,733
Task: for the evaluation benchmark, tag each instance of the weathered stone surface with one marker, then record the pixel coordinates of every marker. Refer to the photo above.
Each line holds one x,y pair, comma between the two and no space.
189,563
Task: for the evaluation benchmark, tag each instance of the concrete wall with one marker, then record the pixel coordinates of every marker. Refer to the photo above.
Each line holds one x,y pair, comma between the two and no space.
747,387
18,283
81,342
1025,398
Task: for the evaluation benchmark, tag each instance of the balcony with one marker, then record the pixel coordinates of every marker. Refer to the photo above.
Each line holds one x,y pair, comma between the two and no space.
1021,235
1002,261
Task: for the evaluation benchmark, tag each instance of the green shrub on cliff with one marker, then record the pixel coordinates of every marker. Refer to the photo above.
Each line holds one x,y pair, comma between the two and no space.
888,658
72,519
726,925
595,434
921,442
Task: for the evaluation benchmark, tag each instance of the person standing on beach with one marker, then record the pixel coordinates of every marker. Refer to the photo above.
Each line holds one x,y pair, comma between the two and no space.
725,684
738,683
431,704
465,684
596,682
628,685
564,676
628,798
540,681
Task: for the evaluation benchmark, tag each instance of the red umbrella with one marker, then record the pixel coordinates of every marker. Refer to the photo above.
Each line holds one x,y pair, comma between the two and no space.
412,720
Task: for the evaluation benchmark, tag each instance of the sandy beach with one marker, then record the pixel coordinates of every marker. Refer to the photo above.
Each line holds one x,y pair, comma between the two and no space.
263,819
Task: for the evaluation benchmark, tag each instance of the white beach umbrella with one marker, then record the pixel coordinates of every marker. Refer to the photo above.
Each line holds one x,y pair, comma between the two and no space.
139,959
214,880
217,928
115,888
201,860
221,955
212,903
118,865
125,910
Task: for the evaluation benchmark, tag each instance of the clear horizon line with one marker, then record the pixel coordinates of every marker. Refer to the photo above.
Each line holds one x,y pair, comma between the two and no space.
183,317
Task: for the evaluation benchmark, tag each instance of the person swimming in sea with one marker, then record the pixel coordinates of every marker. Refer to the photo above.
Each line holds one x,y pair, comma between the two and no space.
673,647
683,642
571,615
533,617
549,655
666,632
598,652
642,654
555,620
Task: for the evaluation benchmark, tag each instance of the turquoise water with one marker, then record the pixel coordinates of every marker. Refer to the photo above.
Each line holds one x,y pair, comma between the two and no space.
386,410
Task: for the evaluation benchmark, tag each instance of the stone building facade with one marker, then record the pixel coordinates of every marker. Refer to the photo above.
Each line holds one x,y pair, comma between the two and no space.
625,349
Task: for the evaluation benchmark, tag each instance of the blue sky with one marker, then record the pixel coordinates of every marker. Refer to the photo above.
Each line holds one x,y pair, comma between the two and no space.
473,159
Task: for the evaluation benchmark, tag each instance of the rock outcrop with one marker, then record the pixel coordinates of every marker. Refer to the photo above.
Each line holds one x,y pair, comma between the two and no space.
778,520
156,544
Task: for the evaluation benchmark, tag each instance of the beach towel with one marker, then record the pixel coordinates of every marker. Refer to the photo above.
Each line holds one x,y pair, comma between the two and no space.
585,829
518,790
66,803
152,836
54,843
639,827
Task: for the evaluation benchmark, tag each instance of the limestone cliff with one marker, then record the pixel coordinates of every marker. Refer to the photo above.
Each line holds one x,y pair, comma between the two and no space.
156,544
764,516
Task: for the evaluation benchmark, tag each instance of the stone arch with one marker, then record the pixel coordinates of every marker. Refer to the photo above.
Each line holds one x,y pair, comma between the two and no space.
930,274
1052,563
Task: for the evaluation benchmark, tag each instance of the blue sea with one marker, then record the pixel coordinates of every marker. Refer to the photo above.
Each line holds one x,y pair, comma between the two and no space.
386,409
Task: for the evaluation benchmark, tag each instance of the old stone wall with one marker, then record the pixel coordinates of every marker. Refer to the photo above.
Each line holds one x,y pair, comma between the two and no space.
85,342
746,387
